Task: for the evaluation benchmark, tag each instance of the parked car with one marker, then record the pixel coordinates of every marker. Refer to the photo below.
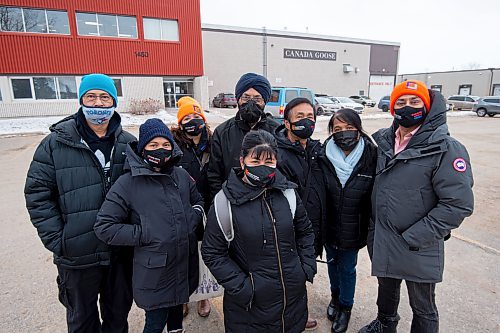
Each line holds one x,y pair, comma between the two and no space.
489,105
384,103
364,100
348,103
462,102
224,100
324,105
280,96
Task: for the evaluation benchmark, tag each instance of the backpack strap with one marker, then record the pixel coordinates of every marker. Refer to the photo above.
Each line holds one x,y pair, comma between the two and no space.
292,200
224,215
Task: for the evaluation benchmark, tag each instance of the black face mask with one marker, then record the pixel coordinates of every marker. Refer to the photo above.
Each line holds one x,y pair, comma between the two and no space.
158,158
194,127
303,128
346,140
408,116
261,175
251,112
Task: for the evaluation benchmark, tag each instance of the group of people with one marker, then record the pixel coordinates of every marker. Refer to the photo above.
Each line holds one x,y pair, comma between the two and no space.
124,217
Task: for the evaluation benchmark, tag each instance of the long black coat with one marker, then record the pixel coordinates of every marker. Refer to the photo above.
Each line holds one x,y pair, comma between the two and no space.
64,190
349,210
301,166
419,196
264,268
154,212
226,148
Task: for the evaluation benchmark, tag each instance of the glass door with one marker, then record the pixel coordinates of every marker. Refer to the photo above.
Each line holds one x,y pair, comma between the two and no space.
174,90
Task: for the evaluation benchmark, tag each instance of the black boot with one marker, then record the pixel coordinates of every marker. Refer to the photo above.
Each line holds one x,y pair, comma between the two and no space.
382,325
333,307
342,319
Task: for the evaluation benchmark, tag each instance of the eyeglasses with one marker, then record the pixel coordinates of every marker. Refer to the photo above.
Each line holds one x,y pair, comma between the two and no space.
93,98
256,99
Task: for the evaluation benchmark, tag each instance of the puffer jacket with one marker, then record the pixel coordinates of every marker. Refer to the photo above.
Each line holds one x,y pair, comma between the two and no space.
65,187
349,210
419,196
264,268
157,213
301,166
226,147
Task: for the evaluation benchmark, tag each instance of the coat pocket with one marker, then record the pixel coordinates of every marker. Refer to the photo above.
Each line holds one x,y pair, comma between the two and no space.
148,268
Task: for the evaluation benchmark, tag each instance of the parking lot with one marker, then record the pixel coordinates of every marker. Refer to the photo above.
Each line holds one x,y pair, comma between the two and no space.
468,299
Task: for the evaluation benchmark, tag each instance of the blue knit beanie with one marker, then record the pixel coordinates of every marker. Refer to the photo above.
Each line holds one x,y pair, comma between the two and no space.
98,81
256,81
151,129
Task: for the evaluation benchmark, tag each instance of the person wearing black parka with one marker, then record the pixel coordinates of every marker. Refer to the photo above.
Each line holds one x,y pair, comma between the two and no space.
348,160
71,172
264,268
194,137
156,208
298,161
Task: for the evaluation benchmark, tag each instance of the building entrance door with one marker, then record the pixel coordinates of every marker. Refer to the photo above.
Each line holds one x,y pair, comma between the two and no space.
175,89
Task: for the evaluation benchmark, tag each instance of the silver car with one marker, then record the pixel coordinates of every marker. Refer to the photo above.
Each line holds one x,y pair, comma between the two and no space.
325,105
463,102
489,105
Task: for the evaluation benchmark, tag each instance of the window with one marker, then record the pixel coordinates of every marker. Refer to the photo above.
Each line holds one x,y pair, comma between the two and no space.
496,90
289,95
106,25
157,29
118,85
1,96
67,87
34,20
491,100
307,94
275,96
43,88
21,88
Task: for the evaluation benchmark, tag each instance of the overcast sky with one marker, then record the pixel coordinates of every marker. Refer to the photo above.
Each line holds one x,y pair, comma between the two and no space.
435,35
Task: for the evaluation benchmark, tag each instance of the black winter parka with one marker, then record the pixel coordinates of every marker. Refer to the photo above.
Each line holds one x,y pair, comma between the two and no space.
154,212
65,187
264,268
301,166
349,208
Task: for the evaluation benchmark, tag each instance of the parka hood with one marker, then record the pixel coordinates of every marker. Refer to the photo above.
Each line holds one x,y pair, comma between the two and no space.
138,167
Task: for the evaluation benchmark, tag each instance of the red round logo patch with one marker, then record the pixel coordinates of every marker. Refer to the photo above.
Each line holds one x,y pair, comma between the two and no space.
459,164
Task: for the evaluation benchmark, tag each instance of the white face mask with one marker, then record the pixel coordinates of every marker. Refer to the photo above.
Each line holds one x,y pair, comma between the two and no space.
98,116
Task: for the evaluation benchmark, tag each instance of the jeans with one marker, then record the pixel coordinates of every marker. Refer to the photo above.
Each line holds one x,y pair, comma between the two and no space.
342,273
158,318
422,302
80,290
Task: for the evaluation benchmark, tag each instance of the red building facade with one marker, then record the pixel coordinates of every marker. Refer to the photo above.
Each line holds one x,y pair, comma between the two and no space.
31,52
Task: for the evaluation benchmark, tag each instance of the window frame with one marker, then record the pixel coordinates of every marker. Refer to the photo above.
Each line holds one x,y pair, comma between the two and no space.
121,86
98,28
33,92
46,21
161,30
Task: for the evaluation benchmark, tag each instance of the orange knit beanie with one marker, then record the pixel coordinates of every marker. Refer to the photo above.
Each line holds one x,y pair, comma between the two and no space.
411,87
188,105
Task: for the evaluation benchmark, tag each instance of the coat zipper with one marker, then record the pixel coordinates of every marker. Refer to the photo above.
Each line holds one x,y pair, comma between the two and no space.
279,263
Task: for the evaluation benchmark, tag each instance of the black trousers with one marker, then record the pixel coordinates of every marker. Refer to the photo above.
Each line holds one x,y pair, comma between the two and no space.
157,319
422,302
80,289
